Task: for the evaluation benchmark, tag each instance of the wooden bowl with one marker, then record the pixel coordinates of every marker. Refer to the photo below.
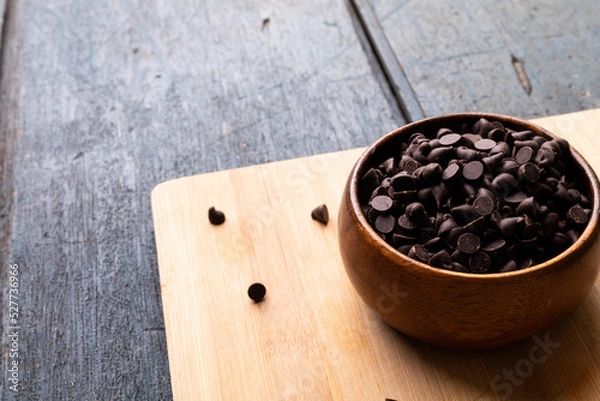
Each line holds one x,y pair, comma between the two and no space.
463,310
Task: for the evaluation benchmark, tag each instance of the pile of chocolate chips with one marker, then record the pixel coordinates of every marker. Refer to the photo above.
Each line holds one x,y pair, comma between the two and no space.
484,199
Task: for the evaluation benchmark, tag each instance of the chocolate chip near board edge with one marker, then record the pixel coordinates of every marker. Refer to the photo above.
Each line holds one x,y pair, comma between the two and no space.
480,188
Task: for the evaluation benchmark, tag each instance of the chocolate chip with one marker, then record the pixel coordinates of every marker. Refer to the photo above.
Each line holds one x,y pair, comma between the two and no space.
420,253
560,242
501,147
485,144
484,205
529,172
401,239
382,203
372,178
527,262
405,196
451,173
464,213
509,266
528,206
466,154
257,292
403,181
450,139
476,226
522,135
417,214
429,174
503,184
577,215
512,226
473,170
497,134
440,259
494,245
406,223
320,214
216,217
544,157
480,262
524,155
508,166
469,243
515,198
446,225
385,223
492,162
434,244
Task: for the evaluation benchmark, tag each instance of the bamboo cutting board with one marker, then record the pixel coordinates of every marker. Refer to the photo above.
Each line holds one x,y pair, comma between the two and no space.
312,338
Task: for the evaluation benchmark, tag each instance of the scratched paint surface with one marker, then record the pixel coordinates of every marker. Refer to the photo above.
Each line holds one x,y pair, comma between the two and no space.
457,54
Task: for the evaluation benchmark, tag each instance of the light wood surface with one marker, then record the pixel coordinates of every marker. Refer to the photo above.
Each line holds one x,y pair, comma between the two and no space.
312,338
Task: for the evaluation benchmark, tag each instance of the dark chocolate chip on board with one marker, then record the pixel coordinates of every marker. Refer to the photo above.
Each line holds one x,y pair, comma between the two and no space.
257,292
216,217
320,214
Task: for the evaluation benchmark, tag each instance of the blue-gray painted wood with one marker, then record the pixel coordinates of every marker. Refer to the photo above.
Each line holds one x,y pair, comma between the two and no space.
101,101
457,54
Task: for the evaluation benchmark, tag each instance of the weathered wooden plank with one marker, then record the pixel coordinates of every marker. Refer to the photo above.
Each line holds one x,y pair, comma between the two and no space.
457,54
108,98
404,93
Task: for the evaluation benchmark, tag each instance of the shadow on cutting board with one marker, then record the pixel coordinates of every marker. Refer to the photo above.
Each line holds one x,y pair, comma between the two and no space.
550,365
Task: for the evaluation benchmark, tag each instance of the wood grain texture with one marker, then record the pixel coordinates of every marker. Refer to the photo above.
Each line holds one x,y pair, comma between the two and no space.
110,98
312,337
457,54
399,84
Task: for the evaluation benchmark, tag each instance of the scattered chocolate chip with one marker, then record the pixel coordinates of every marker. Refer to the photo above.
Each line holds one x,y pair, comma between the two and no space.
320,214
216,217
257,292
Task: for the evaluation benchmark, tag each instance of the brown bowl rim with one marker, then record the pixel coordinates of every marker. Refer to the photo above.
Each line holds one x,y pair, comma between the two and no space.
397,256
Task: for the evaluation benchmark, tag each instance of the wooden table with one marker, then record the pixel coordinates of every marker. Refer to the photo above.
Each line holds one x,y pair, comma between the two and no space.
101,101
